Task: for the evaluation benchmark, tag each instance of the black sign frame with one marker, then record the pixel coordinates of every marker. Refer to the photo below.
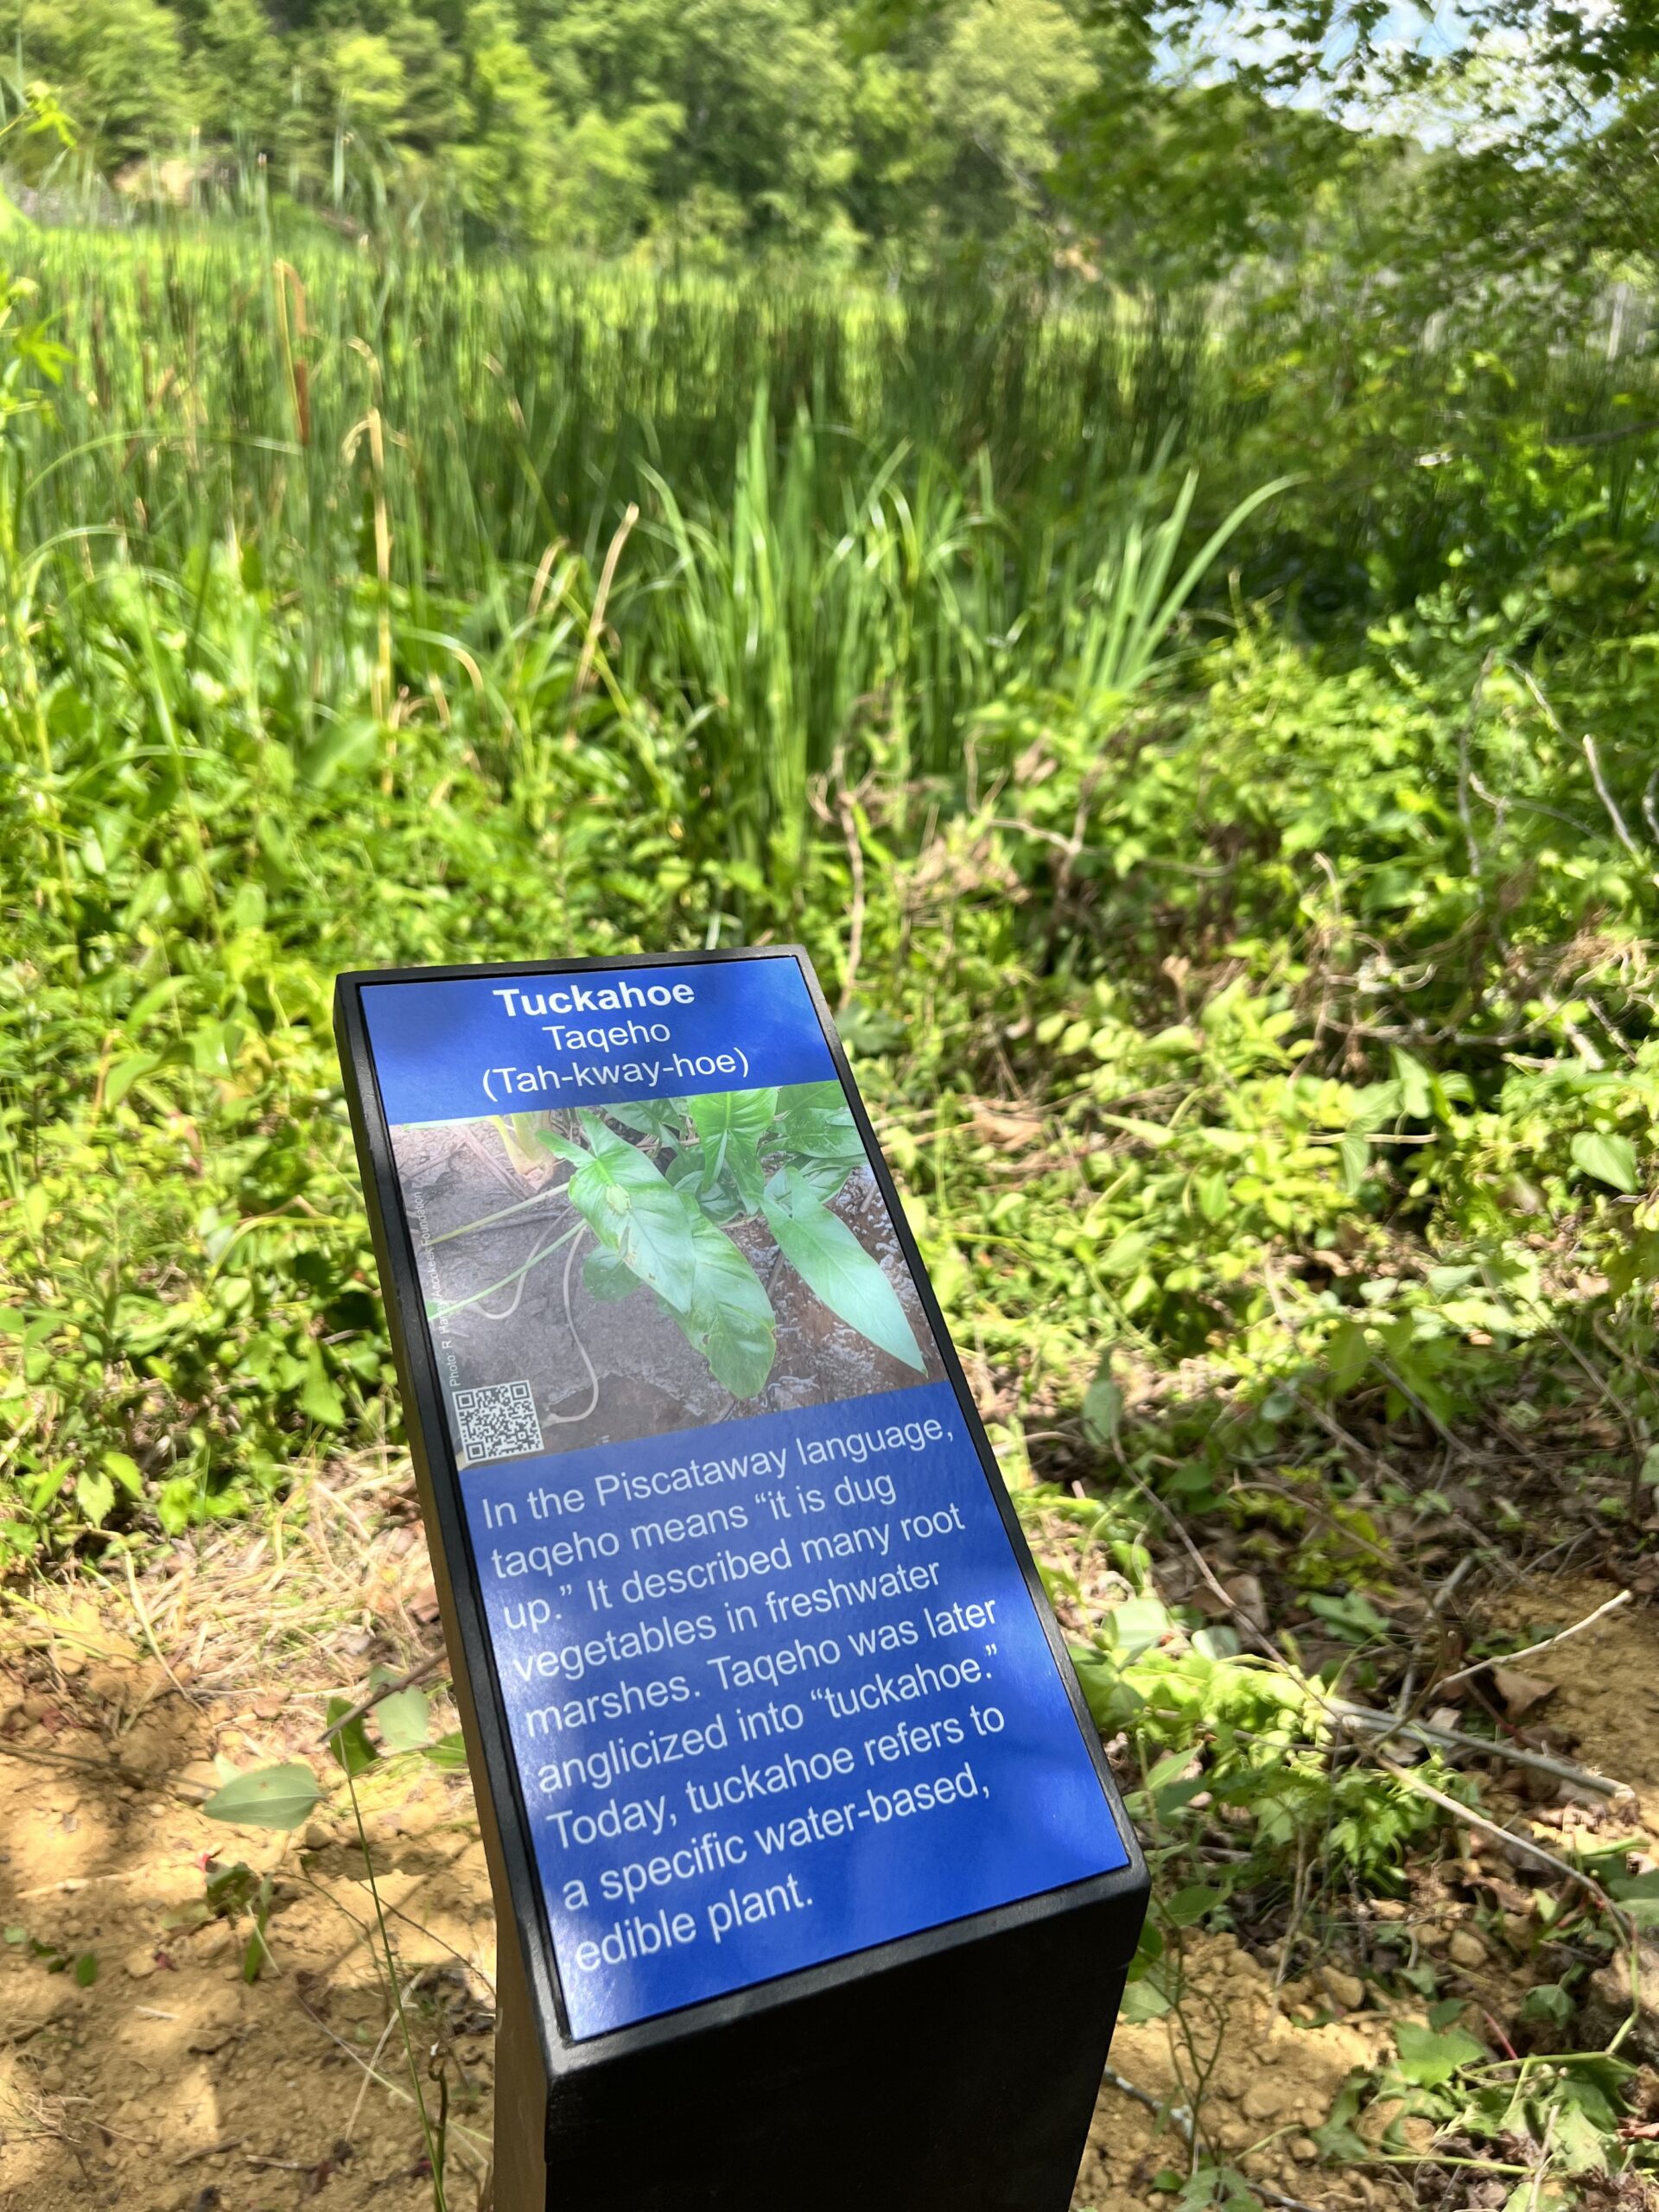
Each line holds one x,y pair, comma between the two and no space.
477,1690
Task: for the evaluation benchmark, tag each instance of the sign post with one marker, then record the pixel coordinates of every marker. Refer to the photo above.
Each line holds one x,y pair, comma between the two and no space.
812,1885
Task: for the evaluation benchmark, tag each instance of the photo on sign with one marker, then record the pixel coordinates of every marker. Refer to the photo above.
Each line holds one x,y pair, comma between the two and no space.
595,1276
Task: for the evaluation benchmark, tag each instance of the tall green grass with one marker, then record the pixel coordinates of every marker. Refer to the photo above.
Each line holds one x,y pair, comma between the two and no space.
861,518
768,529
858,519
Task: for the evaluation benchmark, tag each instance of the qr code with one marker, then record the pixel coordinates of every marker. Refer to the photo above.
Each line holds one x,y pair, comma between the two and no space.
498,1422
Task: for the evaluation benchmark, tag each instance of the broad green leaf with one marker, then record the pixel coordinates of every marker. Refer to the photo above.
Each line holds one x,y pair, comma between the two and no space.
127,1072
349,1744
1143,2000
721,1202
1580,2144
1214,1195
632,1210
1354,1152
1427,2058
730,1125
826,1173
87,1969
350,745
742,1179
658,1118
1168,1769
1189,1905
1102,1409
124,1470
607,1277
817,1130
1611,1159
405,1719
1347,1356
1217,1643
808,1108
730,1321
271,1798
836,1267
1112,1702
448,1752
1339,2139
1416,1100
1353,1617
1548,2002
318,1394
1377,1103
1137,1625
1123,1255
95,1495
1150,1133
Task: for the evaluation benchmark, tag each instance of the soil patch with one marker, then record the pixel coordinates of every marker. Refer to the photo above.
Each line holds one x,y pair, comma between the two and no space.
1264,2074
139,2067
1604,1711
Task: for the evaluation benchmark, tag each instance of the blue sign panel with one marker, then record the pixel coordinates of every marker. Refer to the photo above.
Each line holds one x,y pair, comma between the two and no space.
776,1686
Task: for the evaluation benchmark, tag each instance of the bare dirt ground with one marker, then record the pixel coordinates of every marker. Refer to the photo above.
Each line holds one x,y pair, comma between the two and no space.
1606,1681
140,2068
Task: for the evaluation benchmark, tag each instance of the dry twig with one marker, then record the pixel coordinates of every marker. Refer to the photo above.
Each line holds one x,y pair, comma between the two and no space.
1424,1731
428,1666
1531,1650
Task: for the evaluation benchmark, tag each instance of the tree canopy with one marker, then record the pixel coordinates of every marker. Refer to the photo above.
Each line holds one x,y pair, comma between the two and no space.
1021,134
889,132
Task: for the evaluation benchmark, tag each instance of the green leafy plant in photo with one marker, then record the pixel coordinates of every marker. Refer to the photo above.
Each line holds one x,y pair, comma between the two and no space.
662,1201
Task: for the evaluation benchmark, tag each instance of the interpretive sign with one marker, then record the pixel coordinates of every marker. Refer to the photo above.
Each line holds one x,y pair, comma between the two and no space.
761,1675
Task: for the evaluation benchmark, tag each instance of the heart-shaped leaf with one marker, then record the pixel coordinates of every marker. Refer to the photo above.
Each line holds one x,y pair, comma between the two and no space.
271,1798
1611,1159
1427,2058
634,1211
730,1125
405,1719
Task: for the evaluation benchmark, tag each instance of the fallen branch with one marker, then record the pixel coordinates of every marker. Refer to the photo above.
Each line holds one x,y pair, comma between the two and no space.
1531,1651
212,2150
113,1768
1424,1731
1508,1836
1247,1626
429,1665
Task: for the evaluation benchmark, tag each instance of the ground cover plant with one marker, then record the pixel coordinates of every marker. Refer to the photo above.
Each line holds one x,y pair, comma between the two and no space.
1210,763
731,1157
662,1265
